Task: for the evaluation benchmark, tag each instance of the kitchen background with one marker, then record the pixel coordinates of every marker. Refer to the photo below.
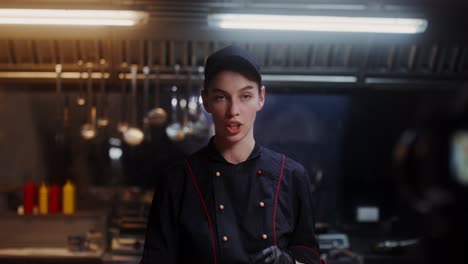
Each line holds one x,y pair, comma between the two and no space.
336,102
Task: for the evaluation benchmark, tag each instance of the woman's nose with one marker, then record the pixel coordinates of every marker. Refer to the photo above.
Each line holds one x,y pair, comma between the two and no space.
234,109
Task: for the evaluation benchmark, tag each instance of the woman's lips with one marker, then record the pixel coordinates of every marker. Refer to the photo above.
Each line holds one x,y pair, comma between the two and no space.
233,127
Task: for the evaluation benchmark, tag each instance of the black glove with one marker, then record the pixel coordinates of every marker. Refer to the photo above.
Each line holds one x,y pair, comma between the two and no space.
273,255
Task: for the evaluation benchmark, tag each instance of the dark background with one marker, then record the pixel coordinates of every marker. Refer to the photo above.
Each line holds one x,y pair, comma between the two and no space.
348,135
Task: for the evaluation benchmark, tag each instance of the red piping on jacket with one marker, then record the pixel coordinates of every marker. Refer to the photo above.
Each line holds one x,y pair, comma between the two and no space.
274,219
276,201
206,209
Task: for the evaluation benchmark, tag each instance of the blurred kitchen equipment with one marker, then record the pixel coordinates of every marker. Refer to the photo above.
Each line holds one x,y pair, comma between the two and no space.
146,125
186,123
80,101
130,244
157,116
88,130
394,246
200,126
76,243
322,227
103,119
66,112
91,241
59,133
129,217
122,125
133,136
174,130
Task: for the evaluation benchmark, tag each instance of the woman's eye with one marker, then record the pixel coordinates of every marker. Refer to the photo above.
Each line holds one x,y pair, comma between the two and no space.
246,96
219,97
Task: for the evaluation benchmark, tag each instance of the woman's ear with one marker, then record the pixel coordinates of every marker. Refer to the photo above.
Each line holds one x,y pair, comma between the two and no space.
204,95
261,98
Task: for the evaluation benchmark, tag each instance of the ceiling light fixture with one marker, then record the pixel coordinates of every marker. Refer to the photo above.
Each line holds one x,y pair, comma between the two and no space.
69,17
318,23
309,78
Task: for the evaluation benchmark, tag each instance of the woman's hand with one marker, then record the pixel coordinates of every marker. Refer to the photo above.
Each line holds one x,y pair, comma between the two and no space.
273,255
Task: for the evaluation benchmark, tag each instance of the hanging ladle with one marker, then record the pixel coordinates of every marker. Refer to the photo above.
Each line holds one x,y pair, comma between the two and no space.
157,116
174,130
133,135
200,125
187,125
80,101
103,119
88,130
146,125
122,125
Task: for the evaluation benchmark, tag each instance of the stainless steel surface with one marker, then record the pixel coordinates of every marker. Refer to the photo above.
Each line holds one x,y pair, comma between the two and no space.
48,231
47,251
120,258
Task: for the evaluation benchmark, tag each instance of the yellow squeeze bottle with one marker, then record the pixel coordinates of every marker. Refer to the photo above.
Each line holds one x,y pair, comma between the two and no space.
68,198
43,199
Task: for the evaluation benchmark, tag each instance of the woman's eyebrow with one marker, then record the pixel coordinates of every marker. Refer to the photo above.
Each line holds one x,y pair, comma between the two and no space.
248,87
217,90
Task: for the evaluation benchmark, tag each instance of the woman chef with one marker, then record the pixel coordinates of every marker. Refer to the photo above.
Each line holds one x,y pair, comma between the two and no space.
233,201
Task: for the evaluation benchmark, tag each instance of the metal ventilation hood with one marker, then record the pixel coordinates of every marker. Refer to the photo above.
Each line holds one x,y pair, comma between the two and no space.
177,33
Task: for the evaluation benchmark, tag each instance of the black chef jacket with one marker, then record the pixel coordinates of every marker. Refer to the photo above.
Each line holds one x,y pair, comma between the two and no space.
212,211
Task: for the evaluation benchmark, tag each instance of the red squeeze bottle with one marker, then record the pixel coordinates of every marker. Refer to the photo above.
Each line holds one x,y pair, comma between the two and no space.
54,199
29,195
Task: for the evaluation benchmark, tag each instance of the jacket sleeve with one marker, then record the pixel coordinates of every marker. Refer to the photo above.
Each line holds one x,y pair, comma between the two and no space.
303,245
162,232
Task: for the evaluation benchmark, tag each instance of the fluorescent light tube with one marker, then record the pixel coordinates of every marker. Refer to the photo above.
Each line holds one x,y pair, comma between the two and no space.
63,17
50,75
309,78
318,23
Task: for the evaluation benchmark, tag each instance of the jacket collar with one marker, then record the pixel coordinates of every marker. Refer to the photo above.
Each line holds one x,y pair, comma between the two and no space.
214,154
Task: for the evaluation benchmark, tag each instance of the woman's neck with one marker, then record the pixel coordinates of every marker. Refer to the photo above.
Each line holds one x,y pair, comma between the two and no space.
235,153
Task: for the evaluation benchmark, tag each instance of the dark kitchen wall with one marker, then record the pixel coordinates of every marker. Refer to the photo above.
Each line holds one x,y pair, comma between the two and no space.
348,138
21,148
376,120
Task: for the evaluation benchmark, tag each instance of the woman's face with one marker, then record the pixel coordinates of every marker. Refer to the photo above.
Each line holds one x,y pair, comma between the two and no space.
233,102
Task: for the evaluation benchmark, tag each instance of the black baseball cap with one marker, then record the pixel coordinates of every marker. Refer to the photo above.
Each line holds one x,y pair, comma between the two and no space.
232,58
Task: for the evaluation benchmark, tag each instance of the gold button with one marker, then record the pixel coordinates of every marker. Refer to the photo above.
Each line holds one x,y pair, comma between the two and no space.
221,206
264,236
225,238
261,204
218,173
